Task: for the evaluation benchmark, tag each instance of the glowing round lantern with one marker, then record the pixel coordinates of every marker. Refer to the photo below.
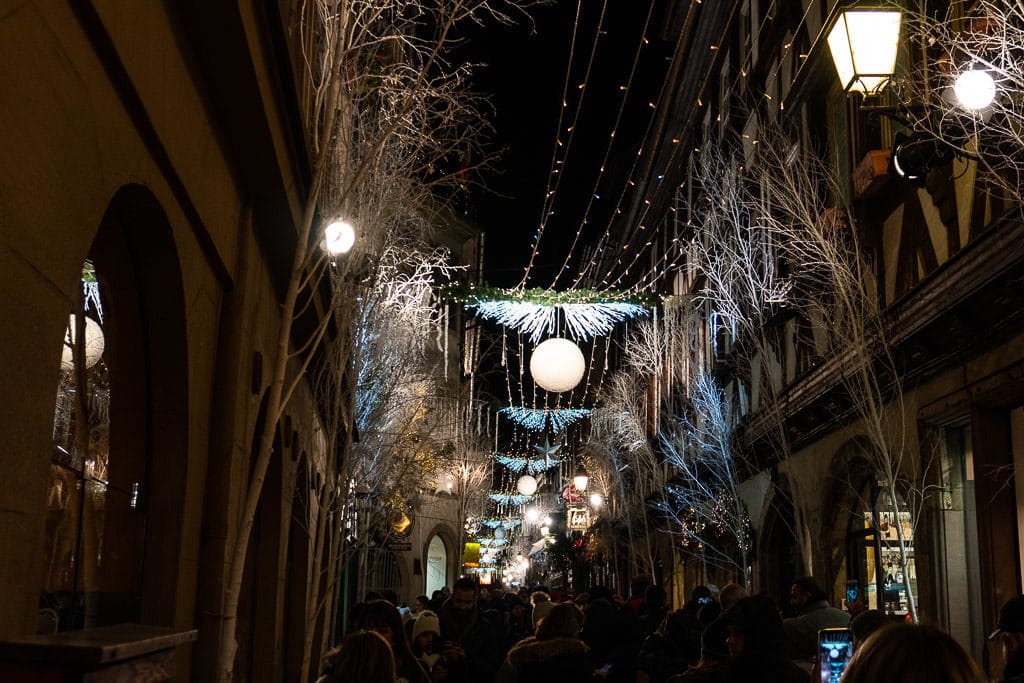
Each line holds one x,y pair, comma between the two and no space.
499,532
557,365
93,344
526,485
975,89
339,237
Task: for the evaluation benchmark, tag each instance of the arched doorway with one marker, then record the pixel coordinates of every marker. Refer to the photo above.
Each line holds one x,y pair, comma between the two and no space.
437,565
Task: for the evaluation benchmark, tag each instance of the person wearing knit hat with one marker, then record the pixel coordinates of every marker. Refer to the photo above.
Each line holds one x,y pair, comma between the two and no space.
426,632
542,605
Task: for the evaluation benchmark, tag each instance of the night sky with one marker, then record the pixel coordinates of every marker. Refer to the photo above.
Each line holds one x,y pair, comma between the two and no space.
525,74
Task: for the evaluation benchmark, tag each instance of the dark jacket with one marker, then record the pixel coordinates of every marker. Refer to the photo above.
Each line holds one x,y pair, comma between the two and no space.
1013,672
477,634
660,658
801,631
763,658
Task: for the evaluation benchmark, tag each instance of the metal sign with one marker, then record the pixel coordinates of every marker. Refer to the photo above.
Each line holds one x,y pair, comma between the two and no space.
578,519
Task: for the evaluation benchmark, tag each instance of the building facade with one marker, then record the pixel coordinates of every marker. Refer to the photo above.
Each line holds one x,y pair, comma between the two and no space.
154,172
944,258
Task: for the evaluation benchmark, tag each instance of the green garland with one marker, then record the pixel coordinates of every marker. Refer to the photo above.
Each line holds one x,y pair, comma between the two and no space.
476,294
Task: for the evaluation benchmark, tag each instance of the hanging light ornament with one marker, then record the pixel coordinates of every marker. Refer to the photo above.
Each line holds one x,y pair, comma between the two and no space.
94,344
339,236
975,89
557,365
538,419
499,533
526,485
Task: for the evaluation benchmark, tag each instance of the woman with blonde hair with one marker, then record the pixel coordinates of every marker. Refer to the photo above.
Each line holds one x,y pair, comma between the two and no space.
911,653
363,656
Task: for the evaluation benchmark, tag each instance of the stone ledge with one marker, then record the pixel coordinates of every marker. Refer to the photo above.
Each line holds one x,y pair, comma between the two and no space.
103,645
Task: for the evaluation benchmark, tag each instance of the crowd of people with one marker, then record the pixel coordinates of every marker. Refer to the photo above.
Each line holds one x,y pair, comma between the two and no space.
474,635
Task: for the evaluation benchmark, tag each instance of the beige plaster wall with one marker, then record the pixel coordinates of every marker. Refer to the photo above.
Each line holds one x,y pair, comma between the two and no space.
67,144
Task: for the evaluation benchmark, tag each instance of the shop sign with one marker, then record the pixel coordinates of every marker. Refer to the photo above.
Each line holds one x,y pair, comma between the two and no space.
578,519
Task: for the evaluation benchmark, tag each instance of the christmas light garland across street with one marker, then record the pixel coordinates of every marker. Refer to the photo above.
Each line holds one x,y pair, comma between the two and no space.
508,498
494,522
537,419
529,465
534,312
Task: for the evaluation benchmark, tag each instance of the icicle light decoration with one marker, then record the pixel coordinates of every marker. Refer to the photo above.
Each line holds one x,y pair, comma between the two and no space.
495,522
528,465
491,542
502,498
534,312
538,419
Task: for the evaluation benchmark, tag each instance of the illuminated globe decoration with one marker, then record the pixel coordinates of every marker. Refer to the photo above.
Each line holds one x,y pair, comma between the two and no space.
339,237
526,485
94,344
975,89
499,533
557,365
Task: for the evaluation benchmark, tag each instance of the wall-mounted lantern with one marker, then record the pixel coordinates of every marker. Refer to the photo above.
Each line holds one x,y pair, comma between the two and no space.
864,42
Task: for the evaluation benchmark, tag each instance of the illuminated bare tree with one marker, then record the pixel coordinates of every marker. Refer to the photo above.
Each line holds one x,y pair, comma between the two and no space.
619,444
837,290
985,42
703,498
655,360
388,115
735,241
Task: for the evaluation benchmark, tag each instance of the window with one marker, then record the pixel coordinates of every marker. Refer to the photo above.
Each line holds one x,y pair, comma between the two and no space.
94,523
437,565
874,557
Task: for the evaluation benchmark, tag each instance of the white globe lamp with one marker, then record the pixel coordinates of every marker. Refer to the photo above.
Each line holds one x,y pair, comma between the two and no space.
557,365
975,89
339,236
94,344
596,500
526,485
532,515
499,532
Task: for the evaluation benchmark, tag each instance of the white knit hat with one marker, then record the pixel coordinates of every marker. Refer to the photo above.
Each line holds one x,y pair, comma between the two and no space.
426,622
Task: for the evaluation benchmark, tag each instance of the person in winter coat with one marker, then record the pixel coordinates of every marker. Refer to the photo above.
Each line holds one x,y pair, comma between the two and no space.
1010,632
384,618
754,637
714,665
362,656
612,634
426,645
542,605
665,652
813,613
555,654
471,640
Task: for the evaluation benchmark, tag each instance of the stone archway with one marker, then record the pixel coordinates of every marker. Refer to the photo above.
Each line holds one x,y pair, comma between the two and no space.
130,565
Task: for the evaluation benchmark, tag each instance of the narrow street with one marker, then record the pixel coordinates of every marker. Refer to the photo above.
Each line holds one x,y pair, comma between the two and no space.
512,340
